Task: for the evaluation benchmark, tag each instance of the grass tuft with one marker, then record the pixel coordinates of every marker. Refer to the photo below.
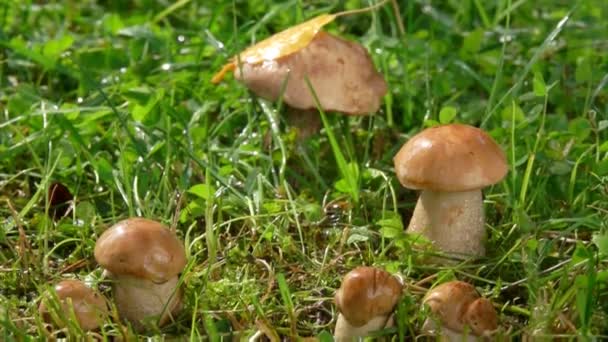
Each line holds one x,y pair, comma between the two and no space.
114,101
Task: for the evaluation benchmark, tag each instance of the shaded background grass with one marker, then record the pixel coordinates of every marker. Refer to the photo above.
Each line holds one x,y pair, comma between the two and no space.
113,100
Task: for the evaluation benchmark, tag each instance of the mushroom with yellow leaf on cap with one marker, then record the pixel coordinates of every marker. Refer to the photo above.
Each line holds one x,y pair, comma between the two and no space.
143,258
451,164
341,72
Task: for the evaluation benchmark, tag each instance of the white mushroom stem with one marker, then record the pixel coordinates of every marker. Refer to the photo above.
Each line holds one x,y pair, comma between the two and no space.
446,334
138,299
454,221
347,332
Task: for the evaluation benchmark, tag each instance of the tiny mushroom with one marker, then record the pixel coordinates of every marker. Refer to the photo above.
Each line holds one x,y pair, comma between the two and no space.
341,73
459,311
451,164
143,259
365,301
88,305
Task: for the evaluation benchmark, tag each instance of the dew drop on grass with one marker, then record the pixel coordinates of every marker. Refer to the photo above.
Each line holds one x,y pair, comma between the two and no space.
506,38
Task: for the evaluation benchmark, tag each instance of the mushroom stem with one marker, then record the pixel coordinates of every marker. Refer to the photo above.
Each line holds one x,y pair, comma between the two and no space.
454,221
307,122
347,332
447,334
138,299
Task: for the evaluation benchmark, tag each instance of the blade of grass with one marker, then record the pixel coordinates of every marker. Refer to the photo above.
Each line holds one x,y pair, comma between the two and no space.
345,170
286,296
482,14
209,232
537,54
174,7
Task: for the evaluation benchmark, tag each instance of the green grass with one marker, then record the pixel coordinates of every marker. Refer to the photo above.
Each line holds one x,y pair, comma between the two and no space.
113,100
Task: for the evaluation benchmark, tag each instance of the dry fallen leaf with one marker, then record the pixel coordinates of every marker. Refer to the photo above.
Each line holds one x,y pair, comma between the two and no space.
59,198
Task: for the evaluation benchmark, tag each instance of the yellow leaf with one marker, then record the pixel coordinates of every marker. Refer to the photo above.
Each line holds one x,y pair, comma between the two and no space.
286,42
279,45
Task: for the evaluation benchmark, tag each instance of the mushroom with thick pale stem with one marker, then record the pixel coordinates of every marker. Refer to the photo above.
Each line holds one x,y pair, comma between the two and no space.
88,305
143,259
451,164
458,308
365,300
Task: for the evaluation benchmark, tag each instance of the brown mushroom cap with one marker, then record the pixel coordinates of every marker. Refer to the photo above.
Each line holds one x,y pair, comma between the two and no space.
367,292
341,73
458,304
451,157
450,301
141,248
481,316
89,306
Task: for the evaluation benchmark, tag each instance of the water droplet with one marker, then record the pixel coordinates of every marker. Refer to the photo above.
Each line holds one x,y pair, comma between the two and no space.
506,38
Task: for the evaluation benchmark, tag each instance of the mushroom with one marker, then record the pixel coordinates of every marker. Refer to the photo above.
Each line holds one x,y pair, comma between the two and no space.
341,73
459,311
143,258
365,302
451,164
88,305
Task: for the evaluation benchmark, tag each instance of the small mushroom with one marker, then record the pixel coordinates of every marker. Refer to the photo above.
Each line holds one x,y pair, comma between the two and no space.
365,301
341,73
88,305
459,310
143,259
451,164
